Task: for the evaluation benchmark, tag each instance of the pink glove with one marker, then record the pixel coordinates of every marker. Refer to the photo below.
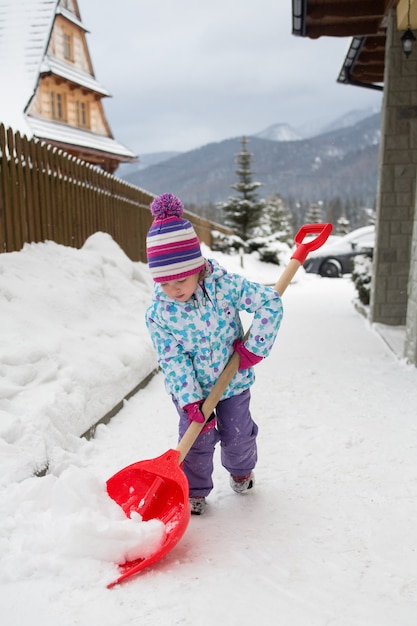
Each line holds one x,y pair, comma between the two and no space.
195,414
247,358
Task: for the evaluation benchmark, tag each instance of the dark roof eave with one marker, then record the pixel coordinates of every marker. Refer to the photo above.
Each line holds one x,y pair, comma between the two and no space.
356,83
362,67
349,62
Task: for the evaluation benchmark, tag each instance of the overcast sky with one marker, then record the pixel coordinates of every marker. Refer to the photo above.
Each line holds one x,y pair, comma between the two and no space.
184,73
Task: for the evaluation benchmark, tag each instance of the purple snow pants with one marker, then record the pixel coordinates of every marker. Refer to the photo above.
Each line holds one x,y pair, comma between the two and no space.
236,431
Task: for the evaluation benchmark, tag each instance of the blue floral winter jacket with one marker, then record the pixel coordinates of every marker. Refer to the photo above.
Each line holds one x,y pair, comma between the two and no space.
194,339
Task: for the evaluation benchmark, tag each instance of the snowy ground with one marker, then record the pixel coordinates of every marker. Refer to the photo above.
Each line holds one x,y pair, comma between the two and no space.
327,538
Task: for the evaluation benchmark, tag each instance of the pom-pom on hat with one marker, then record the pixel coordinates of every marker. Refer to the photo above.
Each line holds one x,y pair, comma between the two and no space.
172,246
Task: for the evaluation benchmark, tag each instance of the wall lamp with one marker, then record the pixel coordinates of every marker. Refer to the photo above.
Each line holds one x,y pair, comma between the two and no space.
407,41
408,38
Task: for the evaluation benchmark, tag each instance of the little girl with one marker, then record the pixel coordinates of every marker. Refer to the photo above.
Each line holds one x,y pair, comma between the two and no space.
195,326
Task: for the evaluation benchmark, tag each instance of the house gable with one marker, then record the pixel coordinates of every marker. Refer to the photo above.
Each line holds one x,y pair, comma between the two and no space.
55,95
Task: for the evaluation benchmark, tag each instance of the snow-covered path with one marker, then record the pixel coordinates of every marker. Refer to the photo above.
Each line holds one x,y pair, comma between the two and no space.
327,538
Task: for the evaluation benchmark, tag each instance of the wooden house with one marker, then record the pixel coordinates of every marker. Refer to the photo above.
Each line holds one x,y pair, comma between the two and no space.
48,87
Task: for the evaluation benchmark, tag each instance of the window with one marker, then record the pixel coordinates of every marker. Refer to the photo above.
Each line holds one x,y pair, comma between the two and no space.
68,47
58,106
82,111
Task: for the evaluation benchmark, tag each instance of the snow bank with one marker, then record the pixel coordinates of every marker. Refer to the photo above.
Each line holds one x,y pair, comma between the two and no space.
64,361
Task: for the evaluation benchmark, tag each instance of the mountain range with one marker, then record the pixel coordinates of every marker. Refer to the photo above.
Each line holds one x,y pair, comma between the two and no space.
338,160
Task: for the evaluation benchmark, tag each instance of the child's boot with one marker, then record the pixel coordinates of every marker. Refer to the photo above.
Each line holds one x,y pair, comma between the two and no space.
197,505
242,484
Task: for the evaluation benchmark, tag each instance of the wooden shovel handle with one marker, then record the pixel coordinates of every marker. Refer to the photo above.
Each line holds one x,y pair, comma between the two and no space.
232,366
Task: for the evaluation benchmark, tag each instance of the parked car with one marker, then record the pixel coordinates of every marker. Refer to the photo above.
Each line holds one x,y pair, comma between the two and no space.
335,257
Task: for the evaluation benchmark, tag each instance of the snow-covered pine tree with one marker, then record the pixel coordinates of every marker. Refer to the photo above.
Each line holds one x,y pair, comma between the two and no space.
243,213
273,235
279,220
343,225
314,214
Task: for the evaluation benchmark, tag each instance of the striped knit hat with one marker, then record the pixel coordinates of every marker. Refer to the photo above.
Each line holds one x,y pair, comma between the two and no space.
172,246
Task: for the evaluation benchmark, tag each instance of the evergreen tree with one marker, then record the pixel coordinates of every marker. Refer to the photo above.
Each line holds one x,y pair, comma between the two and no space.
314,214
277,219
343,225
243,213
334,209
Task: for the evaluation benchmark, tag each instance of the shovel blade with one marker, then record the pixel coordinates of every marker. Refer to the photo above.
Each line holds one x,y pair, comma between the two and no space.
156,489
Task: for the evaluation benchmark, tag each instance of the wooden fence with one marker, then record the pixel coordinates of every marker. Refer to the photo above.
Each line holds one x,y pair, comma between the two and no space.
46,194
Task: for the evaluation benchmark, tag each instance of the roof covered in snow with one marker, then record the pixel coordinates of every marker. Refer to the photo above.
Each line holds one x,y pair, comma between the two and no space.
64,134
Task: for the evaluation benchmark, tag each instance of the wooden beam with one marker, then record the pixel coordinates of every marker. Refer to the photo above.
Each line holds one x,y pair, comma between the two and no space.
366,56
368,68
375,42
319,9
367,77
344,28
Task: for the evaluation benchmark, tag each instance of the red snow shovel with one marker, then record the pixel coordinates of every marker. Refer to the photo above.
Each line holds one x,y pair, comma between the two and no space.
158,488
